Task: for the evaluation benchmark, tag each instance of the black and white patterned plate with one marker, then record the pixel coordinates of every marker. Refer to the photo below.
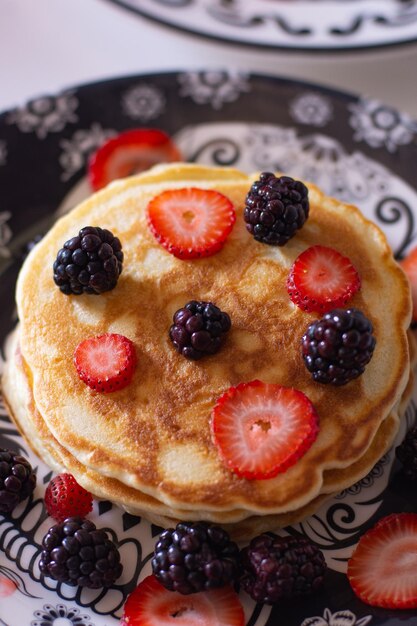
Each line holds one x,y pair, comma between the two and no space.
356,149
313,25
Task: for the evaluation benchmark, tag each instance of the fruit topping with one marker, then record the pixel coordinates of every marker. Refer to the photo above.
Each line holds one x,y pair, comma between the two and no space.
382,569
130,152
106,363
7,586
321,279
150,604
77,553
91,262
276,208
17,480
195,556
279,568
337,347
64,497
406,453
262,429
409,265
199,328
191,223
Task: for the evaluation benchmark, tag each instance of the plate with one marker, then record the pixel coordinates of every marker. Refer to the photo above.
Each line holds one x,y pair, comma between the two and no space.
359,150
304,25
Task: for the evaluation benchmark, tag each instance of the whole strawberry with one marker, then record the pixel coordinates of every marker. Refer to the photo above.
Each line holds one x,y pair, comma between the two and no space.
64,497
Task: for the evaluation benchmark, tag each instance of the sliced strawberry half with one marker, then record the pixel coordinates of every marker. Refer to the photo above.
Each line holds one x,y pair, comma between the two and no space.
409,265
150,604
322,279
262,429
106,363
383,568
130,152
191,223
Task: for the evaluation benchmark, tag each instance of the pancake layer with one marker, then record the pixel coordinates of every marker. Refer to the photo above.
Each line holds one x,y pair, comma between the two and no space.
241,527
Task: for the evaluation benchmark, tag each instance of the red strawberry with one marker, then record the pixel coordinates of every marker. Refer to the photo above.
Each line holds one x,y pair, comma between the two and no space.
409,265
130,152
262,429
106,363
150,604
322,279
191,223
7,587
64,497
382,569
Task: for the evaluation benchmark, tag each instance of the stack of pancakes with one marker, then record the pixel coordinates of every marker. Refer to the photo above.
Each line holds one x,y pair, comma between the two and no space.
148,447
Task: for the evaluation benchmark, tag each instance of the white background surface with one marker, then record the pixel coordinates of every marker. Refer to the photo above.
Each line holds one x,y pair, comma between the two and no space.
48,45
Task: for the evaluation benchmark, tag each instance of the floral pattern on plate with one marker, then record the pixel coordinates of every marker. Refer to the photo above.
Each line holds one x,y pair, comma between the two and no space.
46,115
77,149
143,102
60,615
214,88
340,618
311,108
380,125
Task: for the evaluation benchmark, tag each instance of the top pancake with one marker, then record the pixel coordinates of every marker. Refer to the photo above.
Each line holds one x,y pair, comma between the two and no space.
154,435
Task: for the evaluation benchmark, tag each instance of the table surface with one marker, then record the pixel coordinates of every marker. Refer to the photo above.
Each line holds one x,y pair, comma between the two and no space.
49,45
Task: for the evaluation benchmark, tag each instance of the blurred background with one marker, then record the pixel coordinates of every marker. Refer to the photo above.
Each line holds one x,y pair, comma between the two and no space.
49,45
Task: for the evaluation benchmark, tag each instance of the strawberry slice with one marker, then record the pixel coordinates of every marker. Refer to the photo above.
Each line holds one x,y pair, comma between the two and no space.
262,429
150,604
105,363
64,497
322,279
130,152
191,223
409,265
382,569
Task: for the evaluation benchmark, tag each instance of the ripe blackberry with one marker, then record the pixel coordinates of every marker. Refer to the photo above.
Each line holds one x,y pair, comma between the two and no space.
76,553
195,557
276,208
279,568
91,262
17,480
337,347
406,453
199,329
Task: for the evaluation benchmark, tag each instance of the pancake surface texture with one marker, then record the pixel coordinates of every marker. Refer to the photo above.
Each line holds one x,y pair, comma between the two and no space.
153,438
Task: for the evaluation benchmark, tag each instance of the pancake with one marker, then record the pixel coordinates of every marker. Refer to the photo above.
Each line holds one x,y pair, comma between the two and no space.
30,423
155,438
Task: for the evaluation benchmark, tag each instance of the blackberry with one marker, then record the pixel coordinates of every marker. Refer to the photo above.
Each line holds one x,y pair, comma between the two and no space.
337,347
276,208
406,453
90,263
280,568
199,329
195,557
77,553
17,480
